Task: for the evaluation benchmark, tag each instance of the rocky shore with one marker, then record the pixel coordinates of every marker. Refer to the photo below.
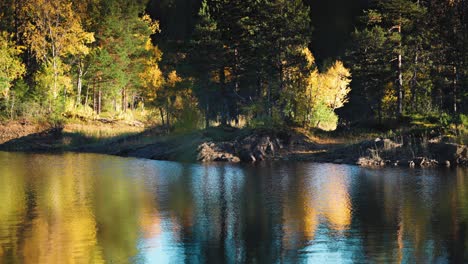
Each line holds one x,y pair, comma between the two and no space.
386,152
370,153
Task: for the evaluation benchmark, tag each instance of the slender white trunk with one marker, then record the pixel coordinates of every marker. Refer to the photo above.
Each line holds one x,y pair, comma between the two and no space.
79,84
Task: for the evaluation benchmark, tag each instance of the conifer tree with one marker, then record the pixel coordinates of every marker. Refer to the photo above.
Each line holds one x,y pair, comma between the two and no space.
206,58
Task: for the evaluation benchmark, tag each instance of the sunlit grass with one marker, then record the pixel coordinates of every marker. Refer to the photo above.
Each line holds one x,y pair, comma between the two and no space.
97,131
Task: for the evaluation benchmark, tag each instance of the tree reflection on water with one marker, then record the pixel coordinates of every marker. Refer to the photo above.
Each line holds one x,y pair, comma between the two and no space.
83,208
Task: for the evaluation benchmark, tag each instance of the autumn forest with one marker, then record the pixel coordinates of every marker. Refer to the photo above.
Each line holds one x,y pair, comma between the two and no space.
233,131
232,62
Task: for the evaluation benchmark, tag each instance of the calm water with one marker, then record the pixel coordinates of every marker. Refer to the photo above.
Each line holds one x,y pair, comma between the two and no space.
84,208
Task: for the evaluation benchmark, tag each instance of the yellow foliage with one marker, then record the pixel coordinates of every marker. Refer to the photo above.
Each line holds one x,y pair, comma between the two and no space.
51,81
322,92
173,79
389,99
152,77
152,24
308,56
215,76
331,87
54,30
335,85
11,66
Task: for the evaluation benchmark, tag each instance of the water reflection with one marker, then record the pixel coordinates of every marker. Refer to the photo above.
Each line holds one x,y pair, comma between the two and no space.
80,208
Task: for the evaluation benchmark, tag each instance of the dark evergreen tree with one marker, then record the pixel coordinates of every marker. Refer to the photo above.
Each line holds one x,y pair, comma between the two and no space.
206,57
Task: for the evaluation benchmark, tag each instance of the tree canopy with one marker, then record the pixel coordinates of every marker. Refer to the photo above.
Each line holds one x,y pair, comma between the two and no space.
232,63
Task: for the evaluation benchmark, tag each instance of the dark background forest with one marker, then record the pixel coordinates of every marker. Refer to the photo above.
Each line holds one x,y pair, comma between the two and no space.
333,22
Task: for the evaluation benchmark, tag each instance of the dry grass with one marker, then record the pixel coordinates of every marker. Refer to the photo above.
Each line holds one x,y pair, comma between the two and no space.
99,130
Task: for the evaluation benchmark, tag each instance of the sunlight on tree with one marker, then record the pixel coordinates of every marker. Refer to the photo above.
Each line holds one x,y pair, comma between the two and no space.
11,67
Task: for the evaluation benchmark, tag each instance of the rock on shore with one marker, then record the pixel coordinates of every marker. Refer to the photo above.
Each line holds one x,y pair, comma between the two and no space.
250,149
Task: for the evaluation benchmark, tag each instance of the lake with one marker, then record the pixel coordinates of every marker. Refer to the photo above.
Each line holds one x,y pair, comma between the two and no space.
87,208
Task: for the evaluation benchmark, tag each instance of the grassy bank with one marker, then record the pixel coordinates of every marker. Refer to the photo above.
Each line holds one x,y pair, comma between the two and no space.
125,137
37,136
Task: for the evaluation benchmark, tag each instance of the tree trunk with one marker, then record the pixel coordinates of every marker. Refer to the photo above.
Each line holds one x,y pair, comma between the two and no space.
132,104
12,106
414,82
269,106
400,87
168,123
162,115
124,100
207,113
235,114
222,79
87,93
79,83
99,101
54,66
400,77
455,83
94,99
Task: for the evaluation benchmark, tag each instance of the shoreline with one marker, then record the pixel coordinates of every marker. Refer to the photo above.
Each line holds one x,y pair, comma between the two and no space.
129,139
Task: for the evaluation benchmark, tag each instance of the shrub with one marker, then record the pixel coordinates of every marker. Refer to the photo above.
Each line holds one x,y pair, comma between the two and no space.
464,120
324,118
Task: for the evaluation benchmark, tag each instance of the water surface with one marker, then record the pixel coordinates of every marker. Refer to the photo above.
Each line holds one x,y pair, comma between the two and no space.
86,208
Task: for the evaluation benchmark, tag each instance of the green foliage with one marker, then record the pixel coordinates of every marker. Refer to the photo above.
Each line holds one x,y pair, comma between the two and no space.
18,102
239,63
189,120
421,41
52,81
11,67
464,120
324,117
273,122
445,119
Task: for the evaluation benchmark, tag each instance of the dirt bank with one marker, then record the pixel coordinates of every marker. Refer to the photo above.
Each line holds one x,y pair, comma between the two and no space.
18,129
27,136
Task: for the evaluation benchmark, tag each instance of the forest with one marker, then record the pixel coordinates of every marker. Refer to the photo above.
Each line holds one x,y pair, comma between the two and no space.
238,63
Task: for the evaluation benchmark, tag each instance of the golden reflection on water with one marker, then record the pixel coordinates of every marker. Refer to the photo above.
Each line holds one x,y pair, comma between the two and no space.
328,198
58,216
320,197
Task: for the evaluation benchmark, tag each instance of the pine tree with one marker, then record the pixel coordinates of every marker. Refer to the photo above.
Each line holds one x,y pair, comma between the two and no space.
387,52
206,58
122,37
369,59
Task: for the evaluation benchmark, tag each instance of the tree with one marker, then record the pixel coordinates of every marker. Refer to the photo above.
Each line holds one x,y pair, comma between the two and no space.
123,35
279,50
323,94
387,49
369,59
205,58
11,67
252,61
335,82
53,31
447,19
